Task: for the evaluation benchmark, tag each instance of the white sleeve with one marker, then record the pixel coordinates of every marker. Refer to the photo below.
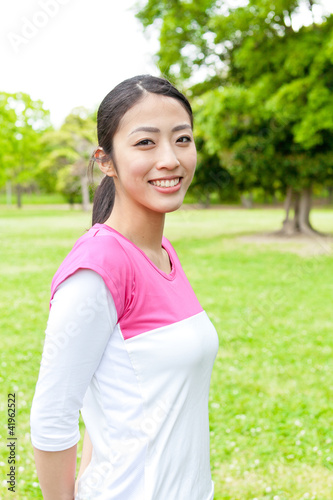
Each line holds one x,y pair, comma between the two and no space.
81,320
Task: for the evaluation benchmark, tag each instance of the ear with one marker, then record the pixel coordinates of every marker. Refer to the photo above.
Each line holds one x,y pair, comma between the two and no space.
105,163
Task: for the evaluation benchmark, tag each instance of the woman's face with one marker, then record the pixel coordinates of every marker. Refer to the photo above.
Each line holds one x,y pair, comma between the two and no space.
155,155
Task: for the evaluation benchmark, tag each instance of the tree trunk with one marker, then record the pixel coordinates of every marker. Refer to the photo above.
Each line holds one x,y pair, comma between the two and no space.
9,192
301,204
296,212
304,212
85,193
288,225
247,201
19,195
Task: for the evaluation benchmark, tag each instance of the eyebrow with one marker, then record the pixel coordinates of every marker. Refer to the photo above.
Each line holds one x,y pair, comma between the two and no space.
156,130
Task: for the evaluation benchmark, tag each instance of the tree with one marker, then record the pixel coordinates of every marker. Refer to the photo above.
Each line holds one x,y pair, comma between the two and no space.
22,123
262,90
64,168
211,177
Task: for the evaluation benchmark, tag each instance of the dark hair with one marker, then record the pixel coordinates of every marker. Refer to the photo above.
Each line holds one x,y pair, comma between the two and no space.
110,112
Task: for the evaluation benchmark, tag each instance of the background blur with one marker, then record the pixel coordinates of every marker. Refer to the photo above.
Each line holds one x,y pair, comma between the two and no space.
259,75
254,234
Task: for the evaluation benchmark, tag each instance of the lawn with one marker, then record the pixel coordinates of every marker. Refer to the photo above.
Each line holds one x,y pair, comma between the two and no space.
271,405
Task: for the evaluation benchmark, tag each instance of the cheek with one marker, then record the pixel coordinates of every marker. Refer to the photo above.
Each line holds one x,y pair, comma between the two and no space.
192,161
133,169
195,158
138,168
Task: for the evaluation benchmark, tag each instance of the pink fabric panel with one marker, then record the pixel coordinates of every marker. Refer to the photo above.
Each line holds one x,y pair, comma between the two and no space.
159,301
105,256
145,297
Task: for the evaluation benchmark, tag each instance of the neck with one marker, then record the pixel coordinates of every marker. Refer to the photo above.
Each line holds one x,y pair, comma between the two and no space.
144,228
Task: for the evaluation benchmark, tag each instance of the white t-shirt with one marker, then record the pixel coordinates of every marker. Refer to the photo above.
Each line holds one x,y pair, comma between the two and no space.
131,347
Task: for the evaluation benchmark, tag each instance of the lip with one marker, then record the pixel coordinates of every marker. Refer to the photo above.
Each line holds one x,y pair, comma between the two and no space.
167,190
166,178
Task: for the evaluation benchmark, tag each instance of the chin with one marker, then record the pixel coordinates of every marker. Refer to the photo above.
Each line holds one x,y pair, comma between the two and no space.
169,207
174,208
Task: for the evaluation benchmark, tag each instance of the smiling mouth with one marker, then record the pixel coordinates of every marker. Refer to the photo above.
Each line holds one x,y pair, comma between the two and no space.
166,182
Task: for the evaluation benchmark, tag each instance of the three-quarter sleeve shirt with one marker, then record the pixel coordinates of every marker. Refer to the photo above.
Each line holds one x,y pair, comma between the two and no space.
131,347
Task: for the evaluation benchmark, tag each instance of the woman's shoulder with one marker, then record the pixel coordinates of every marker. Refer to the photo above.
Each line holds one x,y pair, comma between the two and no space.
101,251
99,244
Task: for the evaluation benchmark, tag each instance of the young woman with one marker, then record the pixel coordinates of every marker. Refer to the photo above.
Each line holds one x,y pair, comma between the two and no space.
127,341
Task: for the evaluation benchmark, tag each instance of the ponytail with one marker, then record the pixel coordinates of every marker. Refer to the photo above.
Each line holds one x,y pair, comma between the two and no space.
104,194
103,200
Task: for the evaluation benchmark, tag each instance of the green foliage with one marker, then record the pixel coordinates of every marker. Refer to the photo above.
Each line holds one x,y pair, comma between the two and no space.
211,177
178,33
262,91
23,122
69,185
67,154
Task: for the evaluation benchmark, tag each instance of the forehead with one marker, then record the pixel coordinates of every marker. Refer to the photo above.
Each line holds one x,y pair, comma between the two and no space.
157,110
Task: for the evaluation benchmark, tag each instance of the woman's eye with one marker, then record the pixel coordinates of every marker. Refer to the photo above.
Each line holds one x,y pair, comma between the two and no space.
144,142
184,139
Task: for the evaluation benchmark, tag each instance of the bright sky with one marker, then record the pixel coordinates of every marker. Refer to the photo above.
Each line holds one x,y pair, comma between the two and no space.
71,53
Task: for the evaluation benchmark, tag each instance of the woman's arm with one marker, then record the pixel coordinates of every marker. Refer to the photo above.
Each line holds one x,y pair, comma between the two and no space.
56,473
81,320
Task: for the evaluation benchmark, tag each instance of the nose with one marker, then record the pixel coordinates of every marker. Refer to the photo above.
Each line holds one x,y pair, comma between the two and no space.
167,157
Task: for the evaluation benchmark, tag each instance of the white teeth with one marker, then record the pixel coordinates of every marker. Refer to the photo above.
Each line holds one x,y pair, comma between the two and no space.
166,183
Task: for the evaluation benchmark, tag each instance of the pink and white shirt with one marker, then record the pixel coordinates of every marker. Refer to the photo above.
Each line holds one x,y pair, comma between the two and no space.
131,347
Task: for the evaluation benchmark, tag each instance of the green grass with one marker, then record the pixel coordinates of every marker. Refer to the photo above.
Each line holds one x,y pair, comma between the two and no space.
34,199
271,409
